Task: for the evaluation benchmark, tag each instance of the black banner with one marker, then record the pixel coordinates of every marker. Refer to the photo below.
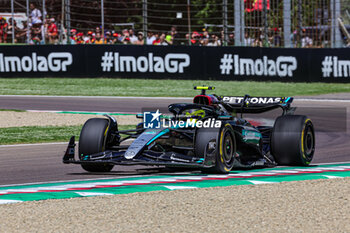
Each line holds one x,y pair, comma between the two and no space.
176,62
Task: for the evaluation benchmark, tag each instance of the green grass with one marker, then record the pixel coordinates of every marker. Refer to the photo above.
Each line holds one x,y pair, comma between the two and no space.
11,110
36,134
164,87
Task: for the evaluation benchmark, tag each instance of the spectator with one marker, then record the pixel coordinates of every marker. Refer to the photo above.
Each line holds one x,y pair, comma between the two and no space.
52,31
132,37
116,39
277,39
79,39
73,36
125,38
3,30
222,36
140,40
97,30
21,36
36,34
248,41
205,38
12,24
150,38
195,38
169,39
157,39
93,38
187,37
35,14
108,38
98,39
258,41
306,41
162,40
175,36
214,40
88,37
231,39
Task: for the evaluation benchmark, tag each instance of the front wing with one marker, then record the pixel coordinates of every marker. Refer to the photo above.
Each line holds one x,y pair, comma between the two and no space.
147,157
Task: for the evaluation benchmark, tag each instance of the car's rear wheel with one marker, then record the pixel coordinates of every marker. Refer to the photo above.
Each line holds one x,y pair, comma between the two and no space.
93,137
293,140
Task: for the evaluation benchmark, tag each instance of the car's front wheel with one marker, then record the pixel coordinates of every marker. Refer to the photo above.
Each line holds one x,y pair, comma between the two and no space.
217,145
226,149
92,140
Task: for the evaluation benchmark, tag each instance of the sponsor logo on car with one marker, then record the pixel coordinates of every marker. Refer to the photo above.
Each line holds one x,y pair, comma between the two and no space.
253,100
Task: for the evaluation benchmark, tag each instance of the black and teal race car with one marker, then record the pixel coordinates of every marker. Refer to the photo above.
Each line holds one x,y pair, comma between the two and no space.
209,134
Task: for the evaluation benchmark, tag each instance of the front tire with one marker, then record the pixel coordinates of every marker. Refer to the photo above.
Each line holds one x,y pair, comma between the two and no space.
226,150
293,140
218,146
93,140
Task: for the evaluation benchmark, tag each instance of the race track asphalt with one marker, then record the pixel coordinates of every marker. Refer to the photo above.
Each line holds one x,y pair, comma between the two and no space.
42,163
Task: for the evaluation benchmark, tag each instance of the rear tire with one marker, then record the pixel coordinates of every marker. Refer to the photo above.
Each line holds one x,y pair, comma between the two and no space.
93,140
293,140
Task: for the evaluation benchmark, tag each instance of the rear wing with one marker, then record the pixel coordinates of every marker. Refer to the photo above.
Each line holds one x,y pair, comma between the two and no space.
247,104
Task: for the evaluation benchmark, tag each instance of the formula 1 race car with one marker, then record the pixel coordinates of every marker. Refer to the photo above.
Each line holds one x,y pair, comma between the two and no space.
206,134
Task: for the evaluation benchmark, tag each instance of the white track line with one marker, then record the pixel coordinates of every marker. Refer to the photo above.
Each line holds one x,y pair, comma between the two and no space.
330,163
323,100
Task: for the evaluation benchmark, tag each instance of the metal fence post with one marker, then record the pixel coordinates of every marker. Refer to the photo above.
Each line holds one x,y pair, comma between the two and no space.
13,22
103,22
337,36
224,14
333,22
266,33
237,10
144,16
68,20
189,22
287,23
299,24
44,19
62,21
242,22
28,22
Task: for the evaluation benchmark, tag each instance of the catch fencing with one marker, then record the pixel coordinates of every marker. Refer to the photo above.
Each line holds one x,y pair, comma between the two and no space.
259,23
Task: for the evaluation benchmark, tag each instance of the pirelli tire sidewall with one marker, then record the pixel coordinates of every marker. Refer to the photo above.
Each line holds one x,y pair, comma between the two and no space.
93,137
293,140
225,149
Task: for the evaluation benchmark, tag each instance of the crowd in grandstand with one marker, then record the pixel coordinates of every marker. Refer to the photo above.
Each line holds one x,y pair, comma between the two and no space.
42,30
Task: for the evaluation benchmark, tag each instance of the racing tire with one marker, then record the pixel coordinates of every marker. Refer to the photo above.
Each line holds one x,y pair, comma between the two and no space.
93,140
224,151
293,140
